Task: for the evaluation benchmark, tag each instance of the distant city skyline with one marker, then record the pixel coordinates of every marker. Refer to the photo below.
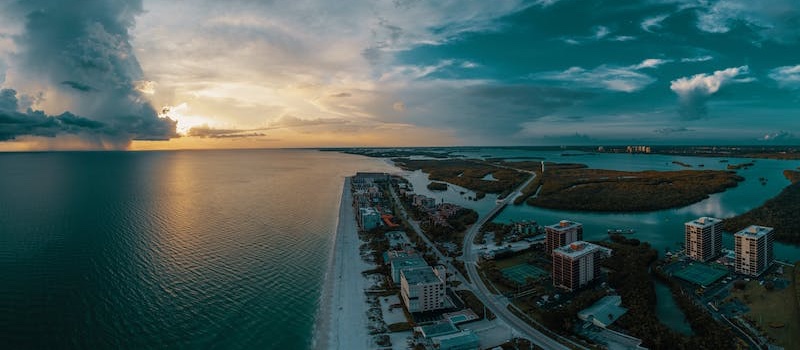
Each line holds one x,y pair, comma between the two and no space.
316,73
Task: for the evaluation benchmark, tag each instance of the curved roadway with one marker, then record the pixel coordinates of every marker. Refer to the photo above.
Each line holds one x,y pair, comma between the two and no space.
497,304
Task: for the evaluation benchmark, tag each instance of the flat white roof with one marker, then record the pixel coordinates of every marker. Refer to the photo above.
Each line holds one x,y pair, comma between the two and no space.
754,231
420,275
703,222
578,249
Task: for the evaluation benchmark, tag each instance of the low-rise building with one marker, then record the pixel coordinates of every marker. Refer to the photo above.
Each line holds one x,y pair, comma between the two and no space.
423,289
424,202
604,312
368,218
753,247
577,264
463,340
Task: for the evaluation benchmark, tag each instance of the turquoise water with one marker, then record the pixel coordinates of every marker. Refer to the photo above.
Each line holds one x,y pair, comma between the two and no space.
663,229
191,249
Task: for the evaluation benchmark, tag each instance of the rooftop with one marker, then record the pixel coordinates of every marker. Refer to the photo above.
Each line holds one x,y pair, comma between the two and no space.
564,225
438,329
606,310
422,275
703,222
392,255
461,340
579,248
754,231
407,262
368,211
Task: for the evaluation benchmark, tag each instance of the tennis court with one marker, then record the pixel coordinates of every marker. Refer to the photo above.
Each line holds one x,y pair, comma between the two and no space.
520,273
701,274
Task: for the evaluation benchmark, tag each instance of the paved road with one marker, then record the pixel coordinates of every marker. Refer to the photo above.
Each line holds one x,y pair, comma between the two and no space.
496,303
415,225
499,304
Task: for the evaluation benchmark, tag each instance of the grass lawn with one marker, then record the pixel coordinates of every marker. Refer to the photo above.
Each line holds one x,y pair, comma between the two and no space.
774,307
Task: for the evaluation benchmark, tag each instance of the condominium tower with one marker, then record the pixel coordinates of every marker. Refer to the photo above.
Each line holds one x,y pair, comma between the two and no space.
753,247
703,238
577,264
561,234
422,289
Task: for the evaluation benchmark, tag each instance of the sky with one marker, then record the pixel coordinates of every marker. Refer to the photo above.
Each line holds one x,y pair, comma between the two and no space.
175,74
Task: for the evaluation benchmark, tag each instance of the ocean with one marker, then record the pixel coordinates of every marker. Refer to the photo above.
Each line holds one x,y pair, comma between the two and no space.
228,249
179,249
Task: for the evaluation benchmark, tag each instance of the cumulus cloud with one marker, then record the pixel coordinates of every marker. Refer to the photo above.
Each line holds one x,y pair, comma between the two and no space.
82,54
787,76
614,78
696,90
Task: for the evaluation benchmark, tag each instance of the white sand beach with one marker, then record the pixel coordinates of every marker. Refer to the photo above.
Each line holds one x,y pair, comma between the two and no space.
342,320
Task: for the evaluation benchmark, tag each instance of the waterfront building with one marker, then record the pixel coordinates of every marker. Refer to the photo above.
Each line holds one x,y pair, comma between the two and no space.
703,238
422,289
753,247
561,234
577,264
365,177
463,340
424,202
368,218
406,261
604,312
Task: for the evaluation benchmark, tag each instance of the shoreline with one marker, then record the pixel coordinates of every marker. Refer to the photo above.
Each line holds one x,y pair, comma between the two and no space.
341,320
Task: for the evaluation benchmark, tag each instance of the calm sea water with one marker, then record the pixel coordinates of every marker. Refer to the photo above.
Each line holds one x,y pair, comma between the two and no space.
197,249
227,249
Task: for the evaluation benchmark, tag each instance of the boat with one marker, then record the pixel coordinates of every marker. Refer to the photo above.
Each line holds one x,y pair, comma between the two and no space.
621,231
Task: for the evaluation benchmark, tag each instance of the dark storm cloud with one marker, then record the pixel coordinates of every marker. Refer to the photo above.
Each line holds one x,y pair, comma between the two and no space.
35,123
83,48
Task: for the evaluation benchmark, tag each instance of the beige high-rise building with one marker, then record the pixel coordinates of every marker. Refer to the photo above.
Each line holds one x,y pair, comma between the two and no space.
561,234
753,247
703,238
577,264
423,289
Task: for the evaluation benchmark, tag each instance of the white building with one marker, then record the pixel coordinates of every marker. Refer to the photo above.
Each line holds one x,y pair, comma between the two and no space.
604,312
422,289
703,238
577,264
753,247
408,262
368,218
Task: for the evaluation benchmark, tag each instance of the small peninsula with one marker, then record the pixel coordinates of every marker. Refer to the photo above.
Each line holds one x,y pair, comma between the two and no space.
467,173
779,213
575,187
